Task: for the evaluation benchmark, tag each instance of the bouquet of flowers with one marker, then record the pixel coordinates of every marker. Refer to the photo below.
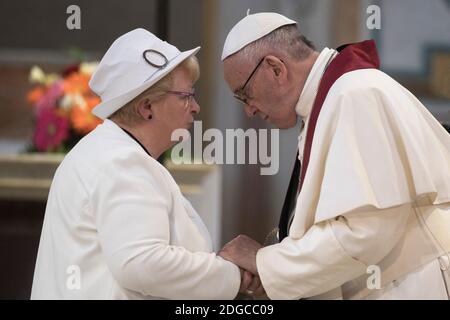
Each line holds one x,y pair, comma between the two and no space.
62,107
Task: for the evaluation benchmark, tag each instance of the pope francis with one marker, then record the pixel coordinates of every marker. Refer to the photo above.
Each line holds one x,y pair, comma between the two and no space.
367,213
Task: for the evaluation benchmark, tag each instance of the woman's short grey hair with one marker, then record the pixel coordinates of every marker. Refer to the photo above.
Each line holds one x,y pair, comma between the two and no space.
128,113
286,39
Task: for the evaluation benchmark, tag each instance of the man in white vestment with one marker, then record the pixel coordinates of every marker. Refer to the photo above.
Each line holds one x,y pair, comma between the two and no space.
367,214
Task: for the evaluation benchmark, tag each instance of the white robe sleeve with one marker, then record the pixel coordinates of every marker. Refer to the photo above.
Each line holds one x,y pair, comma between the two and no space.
376,150
383,148
331,253
132,204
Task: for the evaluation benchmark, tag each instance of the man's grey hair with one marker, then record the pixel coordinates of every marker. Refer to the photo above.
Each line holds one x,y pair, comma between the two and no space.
286,39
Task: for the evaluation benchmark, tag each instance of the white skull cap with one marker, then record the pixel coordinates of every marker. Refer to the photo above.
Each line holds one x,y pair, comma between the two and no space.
252,28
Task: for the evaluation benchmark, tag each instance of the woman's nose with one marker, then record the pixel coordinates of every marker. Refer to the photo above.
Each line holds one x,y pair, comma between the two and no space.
195,107
250,110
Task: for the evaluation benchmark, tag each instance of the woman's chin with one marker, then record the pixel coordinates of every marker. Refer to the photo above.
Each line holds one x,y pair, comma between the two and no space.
189,125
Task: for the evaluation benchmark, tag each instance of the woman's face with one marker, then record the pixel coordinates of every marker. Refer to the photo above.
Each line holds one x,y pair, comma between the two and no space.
176,110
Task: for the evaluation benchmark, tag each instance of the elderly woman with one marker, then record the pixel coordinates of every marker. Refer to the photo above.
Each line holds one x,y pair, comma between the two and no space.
116,224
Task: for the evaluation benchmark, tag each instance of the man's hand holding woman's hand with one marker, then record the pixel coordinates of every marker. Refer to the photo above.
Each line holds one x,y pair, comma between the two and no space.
251,284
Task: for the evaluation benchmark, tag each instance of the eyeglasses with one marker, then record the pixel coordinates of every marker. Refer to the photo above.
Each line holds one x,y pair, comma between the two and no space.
188,95
240,93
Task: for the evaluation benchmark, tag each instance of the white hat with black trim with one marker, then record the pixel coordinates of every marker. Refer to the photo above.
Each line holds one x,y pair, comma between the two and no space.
133,63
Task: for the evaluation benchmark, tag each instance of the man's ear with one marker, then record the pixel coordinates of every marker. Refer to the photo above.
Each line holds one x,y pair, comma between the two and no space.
144,108
277,67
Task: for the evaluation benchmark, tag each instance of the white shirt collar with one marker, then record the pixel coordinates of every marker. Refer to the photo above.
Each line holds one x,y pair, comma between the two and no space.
309,92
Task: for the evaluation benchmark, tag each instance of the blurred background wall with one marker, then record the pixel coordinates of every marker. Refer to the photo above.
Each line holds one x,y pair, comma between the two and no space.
414,44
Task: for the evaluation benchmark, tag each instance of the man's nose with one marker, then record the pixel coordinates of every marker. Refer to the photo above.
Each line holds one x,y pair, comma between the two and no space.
250,110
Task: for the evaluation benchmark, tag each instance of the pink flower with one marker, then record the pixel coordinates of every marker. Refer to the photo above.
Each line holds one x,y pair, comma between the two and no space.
51,96
51,130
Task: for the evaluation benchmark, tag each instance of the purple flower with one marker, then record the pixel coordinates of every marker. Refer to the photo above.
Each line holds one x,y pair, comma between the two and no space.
52,129
50,98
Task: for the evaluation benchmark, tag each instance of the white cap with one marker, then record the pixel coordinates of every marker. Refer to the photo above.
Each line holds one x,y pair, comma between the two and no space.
133,63
252,28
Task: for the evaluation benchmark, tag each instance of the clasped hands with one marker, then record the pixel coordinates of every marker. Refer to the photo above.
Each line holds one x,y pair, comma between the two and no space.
242,252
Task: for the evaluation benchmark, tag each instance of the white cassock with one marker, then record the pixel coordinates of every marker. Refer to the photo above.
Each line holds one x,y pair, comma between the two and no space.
116,218
376,195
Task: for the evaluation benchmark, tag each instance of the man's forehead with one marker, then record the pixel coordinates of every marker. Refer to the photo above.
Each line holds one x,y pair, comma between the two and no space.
235,73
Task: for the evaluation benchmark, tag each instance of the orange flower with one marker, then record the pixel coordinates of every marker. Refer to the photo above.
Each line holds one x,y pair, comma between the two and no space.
76,83
35,94
83,120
